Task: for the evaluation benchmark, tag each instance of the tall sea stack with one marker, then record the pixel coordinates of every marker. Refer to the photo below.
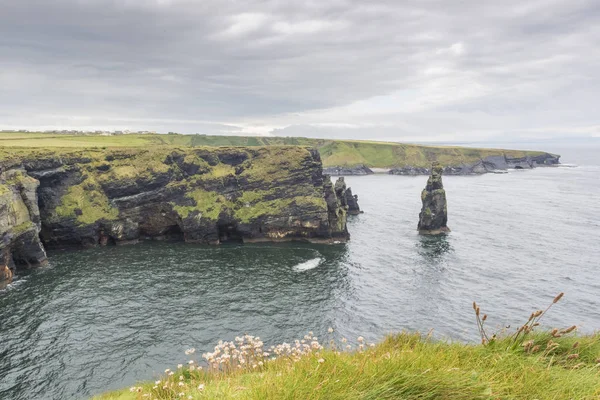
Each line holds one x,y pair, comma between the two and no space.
434,214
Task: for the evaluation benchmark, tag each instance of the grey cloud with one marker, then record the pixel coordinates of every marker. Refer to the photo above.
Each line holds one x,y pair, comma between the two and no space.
425,69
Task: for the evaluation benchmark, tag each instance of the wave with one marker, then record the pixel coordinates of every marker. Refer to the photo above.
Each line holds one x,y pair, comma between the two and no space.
308,265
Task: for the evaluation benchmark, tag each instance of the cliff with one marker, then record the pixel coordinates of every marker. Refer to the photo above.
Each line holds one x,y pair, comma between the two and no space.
490,164
205,195
20,223
340,157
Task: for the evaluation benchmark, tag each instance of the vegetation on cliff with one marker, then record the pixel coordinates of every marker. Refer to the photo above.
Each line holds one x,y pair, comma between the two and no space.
408,366
558,364
333,152
92,195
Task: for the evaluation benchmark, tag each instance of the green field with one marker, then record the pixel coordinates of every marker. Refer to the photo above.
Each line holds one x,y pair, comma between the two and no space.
333,152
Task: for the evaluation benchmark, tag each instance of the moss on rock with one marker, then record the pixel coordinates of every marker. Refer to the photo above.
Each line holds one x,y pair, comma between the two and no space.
86,203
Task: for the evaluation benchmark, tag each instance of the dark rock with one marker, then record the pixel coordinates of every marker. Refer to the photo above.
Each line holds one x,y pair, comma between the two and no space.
341,171
198,195
20,221
346,198
434,213
352,202
490,164
409,170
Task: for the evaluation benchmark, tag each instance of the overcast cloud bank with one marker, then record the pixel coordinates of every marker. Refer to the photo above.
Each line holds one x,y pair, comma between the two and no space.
391,70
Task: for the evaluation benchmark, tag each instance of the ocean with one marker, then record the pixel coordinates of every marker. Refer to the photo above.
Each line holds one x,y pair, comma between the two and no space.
102,319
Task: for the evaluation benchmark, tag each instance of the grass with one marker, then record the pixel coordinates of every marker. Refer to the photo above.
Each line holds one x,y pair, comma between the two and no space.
333,152
403,366
86,203
207,204
557,364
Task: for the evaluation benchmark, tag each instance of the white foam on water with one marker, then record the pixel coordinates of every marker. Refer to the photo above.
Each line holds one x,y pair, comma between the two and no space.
308,265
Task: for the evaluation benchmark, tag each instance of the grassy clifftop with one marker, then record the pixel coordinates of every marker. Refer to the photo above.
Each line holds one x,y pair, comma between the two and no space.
405,366
333,152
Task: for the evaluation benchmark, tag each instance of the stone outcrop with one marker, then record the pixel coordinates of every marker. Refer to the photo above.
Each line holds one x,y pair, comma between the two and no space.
490,164
347,199
342,171
434,213
352,202
20,223
216,195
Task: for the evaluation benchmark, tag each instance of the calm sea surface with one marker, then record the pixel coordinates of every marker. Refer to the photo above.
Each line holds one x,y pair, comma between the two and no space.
103,319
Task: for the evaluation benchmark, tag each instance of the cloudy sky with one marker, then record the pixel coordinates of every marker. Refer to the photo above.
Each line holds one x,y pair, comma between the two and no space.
416,70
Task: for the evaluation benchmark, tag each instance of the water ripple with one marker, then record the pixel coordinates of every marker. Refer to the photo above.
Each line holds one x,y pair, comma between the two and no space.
102,319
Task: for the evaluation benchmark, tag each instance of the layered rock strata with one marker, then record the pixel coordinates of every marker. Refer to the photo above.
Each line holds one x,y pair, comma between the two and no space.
490,164
20,223
342,171
204,195
433,217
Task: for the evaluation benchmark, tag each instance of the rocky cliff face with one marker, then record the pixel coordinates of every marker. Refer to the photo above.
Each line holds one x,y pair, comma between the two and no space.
20,222
434,213
341,171
205,195
490,164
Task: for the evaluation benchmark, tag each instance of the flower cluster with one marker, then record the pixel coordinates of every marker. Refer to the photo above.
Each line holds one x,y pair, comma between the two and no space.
244,353
248,352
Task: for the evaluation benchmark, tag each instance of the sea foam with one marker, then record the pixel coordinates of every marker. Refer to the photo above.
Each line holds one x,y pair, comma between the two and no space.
307,265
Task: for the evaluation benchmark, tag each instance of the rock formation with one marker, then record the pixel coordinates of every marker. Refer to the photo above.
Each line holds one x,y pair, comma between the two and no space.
349,200
19,223
204,195
489,164
352,202
340,171
434,213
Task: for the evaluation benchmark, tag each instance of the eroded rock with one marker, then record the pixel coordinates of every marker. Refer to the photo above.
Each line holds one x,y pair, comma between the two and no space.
121,196
347,199
20,222
433,217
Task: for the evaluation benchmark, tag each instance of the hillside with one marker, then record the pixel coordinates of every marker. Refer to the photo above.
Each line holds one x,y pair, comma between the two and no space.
333,152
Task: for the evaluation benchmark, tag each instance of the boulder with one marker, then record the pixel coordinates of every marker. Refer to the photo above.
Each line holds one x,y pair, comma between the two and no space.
434,213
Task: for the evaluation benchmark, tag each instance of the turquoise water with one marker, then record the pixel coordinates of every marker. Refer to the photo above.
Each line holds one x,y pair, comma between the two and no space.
102,319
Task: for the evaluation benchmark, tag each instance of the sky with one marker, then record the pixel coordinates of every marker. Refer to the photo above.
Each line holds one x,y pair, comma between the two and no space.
414,70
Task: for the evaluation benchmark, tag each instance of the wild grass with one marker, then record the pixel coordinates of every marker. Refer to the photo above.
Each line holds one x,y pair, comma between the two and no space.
547,365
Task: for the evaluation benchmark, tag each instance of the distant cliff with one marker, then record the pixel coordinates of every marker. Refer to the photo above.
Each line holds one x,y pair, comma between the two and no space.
206,195
344,157
489,164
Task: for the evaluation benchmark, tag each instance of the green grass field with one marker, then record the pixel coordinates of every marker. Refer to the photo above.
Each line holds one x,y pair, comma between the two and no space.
333,152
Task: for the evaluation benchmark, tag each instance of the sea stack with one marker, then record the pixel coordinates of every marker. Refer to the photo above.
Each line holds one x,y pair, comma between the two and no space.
434,214
346,197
